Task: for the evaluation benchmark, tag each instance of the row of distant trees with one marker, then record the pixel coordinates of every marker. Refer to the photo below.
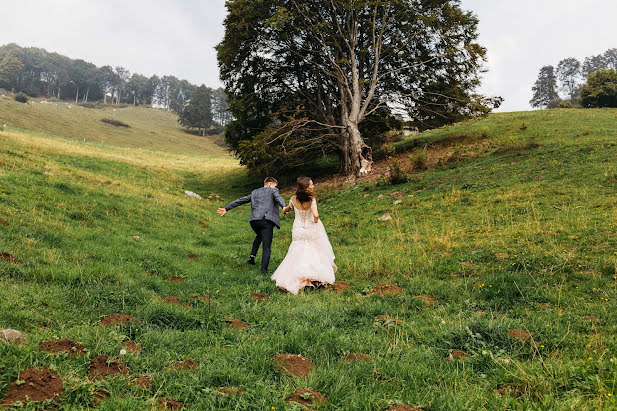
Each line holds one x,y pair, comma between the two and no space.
576,83
39,73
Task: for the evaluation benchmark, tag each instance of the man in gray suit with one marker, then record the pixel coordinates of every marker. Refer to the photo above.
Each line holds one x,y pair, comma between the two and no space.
265,203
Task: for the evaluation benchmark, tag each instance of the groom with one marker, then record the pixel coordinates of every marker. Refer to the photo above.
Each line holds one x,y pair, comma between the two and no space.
265,203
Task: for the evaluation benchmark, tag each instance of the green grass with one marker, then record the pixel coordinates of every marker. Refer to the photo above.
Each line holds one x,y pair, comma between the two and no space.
543,194
150,129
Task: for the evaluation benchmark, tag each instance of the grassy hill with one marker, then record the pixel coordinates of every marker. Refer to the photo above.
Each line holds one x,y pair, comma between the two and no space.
149,128
503,249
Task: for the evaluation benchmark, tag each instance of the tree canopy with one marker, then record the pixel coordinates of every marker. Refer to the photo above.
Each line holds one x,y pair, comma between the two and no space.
302,77
545,88
198,112
600,90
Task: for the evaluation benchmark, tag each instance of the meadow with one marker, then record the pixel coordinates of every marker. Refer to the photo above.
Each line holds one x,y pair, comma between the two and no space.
499,256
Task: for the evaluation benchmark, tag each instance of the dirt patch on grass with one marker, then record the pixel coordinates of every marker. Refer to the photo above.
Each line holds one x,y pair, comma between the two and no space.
502,256
175,279
386,289
293,364
102,366
4,222
143,381
176,301
340,286
230,390
34,385
404,407
428,300
593,319
259,297
455,355
71,347
100,395
192,256
521,335
184,365
358,356
9,258
307,396
201,298
169,404
131,346
204,225
118,319
236,324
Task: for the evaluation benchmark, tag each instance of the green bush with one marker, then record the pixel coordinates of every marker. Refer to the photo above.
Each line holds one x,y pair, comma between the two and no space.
116,123
21,97
419,160
397,175
600,90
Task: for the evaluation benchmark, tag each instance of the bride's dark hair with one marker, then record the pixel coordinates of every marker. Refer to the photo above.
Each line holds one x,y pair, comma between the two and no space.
302,194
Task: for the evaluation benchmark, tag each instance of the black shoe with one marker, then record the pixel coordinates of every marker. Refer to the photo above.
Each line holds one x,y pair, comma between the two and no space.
264,273
251,260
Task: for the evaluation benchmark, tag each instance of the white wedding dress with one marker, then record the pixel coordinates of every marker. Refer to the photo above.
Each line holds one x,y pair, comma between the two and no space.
310,257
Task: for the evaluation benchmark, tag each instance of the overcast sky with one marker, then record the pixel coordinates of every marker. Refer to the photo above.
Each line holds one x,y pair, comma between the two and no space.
177,36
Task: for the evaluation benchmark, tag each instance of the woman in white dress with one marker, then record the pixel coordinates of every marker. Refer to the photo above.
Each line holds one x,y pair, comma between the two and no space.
310,259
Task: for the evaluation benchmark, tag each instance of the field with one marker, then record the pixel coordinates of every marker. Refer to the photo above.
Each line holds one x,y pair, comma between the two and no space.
503,252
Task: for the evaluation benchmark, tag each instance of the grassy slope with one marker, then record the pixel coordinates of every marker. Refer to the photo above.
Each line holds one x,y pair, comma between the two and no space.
150,129
74,209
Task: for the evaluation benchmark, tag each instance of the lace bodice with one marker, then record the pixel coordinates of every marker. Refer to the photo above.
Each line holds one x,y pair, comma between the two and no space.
304,218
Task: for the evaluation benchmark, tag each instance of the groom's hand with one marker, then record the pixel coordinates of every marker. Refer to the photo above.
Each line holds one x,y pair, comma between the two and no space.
221,211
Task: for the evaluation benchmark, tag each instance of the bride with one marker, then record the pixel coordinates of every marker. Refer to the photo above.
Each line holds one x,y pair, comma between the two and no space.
310,259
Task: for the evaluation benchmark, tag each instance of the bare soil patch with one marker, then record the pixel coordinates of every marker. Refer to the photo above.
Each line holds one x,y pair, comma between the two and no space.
38,385
521,335
428,300
404,407
118,319
204,225
175,300
467,264
102,366
593,319
294,364
201,298
340,286
456,354
192,256
237,324
502,256
131,347
143,381
175,279
307,396
71,347
169,404
4,222
100,395
184,365
544,305
358,356
9,258
230,390
259,297
386,289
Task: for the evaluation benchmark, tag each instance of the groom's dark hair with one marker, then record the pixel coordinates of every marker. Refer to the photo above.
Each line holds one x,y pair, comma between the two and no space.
270,180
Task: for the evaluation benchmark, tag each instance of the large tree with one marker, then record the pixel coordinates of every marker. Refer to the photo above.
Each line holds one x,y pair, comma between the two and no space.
569,75
10,70
198,112
302,76
545,88
600,90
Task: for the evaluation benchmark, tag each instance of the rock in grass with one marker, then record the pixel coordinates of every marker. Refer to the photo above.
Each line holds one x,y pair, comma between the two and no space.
11,336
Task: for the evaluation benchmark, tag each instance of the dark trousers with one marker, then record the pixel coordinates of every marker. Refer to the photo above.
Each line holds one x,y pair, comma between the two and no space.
264,230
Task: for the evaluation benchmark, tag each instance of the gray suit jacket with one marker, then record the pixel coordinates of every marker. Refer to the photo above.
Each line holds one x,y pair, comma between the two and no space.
265,203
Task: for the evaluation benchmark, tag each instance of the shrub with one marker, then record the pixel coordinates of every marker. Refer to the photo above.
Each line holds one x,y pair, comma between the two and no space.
21,97
554,103
419,160
397,175
565,104
600,90
116,123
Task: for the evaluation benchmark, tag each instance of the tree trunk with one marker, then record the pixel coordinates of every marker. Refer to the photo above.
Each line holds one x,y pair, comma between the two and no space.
352,147
77,96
